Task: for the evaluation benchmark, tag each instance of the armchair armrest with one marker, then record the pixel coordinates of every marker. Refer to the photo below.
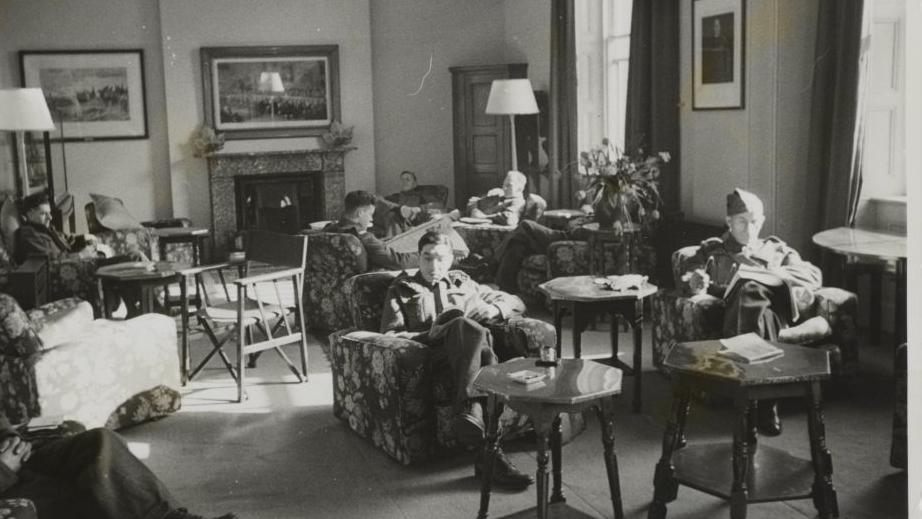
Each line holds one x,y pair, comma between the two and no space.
269,276
522,337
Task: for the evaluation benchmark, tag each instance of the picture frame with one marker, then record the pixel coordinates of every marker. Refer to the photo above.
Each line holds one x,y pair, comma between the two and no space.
93,95
263,92
718,54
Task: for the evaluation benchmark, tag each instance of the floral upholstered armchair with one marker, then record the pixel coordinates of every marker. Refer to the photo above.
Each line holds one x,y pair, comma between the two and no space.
332,258
56,360
17,509
678,317
383,386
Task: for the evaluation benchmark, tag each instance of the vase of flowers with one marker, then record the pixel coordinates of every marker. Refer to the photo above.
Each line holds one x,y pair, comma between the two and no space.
622,188
206,141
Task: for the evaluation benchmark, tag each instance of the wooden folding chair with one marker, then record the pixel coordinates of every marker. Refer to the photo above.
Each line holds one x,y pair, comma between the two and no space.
260,307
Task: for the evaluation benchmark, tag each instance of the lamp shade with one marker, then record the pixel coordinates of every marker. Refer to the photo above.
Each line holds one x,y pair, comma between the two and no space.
511,96
271,82
24,109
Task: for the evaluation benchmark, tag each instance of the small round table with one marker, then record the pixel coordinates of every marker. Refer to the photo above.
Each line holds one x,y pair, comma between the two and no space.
584,299
744,472
136,275
571,387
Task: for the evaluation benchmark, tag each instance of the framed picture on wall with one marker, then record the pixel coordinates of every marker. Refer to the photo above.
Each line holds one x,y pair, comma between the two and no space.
271,92
92,94
718,54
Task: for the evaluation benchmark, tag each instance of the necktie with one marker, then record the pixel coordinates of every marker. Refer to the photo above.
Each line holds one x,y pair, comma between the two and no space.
440,297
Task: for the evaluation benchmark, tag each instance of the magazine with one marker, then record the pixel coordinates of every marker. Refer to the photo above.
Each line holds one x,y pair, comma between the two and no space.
768,277
749,348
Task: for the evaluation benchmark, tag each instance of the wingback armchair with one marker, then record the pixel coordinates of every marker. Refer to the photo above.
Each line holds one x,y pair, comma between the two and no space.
332,258
56,360
679,317
384,388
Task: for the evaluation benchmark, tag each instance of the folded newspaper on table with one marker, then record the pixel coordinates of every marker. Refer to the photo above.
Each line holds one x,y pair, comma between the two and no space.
749,348
626,282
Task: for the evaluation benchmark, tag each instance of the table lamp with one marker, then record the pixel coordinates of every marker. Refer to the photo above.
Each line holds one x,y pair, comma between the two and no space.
24,110
271,83
511,97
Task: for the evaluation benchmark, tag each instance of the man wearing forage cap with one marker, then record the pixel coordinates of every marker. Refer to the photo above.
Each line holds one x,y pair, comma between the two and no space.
752,306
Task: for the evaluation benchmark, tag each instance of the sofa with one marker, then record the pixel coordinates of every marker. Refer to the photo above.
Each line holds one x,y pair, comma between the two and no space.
679,317
56,360
383,386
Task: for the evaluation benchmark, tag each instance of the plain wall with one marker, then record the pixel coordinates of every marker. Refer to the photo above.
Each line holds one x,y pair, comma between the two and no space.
762,147
189,25
135,170
528,38
412,101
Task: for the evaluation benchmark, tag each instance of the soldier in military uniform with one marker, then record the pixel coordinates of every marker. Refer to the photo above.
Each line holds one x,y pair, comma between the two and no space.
358,212
447,311
754,306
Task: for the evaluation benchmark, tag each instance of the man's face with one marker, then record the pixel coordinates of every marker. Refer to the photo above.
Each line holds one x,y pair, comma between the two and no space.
512,188
435,261
745,227
364,215
407,182
40,215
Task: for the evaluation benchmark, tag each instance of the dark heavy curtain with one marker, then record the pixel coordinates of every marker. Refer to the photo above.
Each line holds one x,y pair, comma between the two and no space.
834,153
562,152
652,118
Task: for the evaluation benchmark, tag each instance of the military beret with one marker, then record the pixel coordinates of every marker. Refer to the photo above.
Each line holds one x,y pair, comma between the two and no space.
742,201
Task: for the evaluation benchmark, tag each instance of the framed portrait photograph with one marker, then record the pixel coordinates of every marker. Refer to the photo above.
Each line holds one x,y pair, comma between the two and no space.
718,54
271,92
92,94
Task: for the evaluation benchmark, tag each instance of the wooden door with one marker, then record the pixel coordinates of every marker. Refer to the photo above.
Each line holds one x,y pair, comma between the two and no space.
481,141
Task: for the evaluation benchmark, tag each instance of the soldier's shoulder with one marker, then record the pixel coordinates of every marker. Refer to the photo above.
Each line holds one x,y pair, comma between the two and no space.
774,240
712,243
459,277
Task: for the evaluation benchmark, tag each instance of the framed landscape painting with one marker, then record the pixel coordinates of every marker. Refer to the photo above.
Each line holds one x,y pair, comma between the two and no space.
92,94
718,54
271,92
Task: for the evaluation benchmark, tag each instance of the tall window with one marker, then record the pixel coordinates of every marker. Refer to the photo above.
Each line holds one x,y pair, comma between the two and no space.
603,43
883,167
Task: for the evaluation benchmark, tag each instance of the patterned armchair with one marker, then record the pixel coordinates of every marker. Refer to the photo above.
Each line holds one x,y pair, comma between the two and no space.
332,258
678,317
383,386
57,360
139,239
17,509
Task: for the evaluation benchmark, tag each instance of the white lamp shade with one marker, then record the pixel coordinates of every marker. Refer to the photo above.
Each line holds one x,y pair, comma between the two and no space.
271,82
24,109
511,96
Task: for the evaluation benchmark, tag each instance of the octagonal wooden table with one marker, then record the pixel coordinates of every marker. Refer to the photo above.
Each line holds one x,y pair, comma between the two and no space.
571,387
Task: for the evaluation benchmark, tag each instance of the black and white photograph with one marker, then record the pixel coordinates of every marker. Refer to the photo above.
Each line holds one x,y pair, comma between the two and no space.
93,95
718,54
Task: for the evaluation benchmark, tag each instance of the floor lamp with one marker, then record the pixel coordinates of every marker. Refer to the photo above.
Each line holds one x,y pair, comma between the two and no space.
511,97
24,110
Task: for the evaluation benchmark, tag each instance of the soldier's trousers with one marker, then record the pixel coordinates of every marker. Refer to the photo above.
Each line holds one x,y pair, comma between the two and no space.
527,239
754,307
461,351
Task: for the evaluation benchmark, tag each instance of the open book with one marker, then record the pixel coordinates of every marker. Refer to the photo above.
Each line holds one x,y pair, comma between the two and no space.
749,348
768,277
408,240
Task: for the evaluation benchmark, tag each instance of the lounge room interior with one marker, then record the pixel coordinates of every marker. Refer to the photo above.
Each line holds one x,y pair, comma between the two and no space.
233,118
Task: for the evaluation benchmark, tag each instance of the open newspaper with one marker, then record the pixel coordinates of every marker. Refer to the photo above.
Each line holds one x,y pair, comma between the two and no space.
749,348
408,240
769,277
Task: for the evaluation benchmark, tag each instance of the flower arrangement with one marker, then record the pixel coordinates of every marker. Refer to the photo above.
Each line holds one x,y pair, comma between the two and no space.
338,135
205,141
621,187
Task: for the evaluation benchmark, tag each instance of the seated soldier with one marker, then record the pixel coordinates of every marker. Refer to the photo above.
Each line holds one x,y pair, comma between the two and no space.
752,306
89,475
503,205
358,212
447,311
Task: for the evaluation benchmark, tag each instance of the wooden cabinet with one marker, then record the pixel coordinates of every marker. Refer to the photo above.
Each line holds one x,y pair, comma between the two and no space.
482,150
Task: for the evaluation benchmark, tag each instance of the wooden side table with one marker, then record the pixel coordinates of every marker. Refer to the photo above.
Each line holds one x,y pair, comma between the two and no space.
744,472
194,236
571,387
135,276
584,299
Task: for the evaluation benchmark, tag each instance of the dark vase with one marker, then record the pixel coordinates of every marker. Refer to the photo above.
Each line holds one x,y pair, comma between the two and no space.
607,215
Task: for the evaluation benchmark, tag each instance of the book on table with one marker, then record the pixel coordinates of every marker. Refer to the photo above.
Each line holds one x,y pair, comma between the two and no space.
749,348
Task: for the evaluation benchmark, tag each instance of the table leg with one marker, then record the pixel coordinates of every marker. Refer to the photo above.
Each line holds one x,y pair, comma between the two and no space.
607,420
542,432
490,450
739,493
665,487
184,316
753,418
613,335
558,324
638,354
824,494
101,288
578,327
556,461
876,275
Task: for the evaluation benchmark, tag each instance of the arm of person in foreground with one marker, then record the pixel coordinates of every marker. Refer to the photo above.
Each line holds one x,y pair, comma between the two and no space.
382,256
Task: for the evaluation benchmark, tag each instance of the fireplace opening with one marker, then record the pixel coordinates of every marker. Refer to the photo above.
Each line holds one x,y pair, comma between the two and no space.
279,202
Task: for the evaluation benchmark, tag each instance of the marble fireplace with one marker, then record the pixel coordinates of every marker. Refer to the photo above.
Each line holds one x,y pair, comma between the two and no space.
274,190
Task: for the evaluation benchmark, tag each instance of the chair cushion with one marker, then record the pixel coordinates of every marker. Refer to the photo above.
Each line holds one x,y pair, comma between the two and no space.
227,312
111,213
17,335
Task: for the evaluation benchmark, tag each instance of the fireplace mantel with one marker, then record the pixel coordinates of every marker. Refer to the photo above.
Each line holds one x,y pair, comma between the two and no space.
223,167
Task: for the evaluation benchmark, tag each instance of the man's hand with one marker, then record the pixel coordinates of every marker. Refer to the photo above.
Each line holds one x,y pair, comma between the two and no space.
14,451
698,281
485,312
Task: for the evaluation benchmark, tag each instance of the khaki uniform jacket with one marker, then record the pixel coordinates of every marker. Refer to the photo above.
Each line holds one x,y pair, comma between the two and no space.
412,303
379,254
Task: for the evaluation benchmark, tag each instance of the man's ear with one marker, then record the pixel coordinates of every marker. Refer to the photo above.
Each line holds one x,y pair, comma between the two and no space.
728,219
